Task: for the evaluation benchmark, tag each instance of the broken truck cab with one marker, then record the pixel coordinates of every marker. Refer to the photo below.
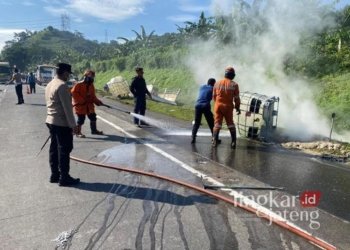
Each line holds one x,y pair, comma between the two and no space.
258,117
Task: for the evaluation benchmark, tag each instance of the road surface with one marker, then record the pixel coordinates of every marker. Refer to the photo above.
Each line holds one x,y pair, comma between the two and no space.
118,210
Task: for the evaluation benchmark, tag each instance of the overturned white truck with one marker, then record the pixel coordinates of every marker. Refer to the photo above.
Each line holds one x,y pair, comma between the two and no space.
258,117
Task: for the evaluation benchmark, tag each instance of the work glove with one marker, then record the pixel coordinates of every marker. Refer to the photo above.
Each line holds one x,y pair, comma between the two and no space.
238,111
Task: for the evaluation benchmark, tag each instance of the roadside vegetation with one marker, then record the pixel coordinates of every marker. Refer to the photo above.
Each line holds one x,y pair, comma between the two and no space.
335,97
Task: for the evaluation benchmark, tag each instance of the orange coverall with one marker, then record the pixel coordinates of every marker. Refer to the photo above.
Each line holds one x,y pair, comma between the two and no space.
84,98
225,93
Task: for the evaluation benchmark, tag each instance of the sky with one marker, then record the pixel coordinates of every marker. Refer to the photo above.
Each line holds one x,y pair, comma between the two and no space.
103,20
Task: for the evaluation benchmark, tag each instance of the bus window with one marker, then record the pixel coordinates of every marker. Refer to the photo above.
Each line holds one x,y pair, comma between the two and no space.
45,73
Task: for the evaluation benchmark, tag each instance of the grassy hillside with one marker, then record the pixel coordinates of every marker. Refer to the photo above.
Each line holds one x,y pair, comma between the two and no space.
162,78
334,95
335,98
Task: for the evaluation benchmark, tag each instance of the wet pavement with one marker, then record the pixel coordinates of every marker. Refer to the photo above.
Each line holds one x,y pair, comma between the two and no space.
117,210
294,171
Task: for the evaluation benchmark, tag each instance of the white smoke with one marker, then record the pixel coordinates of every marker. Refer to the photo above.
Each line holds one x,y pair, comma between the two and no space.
259,58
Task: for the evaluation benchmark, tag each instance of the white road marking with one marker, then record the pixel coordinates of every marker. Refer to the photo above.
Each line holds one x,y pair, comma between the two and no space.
237,196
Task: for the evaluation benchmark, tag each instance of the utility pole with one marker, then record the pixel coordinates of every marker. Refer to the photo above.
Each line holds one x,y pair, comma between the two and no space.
65,22
330,134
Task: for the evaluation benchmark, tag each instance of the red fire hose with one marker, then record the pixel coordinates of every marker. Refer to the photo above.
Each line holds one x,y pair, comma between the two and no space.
292,228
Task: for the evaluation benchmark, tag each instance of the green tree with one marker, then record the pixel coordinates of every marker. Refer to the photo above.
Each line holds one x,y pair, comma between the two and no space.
142,38
201,29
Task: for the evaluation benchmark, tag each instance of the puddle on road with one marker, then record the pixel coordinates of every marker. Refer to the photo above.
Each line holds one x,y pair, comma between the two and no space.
139,156
143,213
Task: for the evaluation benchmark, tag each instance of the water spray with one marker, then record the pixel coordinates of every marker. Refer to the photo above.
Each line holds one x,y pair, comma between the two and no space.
147,120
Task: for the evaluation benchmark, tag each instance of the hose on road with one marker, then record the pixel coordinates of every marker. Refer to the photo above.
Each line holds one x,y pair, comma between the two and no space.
284,224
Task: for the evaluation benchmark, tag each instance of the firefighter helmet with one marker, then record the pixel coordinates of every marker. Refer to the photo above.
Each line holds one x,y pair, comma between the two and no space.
89,72
229,69
230,72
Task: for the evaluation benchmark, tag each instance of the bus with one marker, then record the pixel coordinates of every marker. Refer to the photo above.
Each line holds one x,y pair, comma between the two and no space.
5,72
44,74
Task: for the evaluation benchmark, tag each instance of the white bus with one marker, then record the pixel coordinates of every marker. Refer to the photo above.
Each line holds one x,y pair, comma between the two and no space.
44,74
5,72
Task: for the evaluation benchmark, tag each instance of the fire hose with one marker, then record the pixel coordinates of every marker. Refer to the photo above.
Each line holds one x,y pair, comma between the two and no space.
116,108
284,224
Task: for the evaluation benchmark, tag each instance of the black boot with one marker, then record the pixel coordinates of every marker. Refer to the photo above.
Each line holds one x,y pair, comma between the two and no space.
215,139
193,141
55,177
233,137
67,180
94,130
218,141
194,132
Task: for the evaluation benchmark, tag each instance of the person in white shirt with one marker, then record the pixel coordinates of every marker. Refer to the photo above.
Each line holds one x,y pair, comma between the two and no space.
17,79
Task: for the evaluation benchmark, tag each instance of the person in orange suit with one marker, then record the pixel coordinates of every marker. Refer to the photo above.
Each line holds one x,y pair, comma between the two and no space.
84,101
226,98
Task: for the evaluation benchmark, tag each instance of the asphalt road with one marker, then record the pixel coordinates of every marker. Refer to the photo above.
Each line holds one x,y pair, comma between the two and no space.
118,210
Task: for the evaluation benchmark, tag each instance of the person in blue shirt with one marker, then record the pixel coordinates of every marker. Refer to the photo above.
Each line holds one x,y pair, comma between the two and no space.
203,107
31,81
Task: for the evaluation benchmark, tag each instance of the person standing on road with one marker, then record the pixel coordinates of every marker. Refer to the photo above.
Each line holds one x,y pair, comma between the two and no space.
31,81
139,89
61,123
84,100
225,93
17,79
203,107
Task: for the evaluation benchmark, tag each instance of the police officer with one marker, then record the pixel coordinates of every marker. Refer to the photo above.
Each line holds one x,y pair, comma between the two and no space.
61,123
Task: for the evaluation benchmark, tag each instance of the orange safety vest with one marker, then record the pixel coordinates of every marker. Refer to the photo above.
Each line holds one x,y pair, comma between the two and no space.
84,98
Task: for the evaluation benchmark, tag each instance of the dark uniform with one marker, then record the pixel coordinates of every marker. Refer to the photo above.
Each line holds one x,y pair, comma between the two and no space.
203,107
139,89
